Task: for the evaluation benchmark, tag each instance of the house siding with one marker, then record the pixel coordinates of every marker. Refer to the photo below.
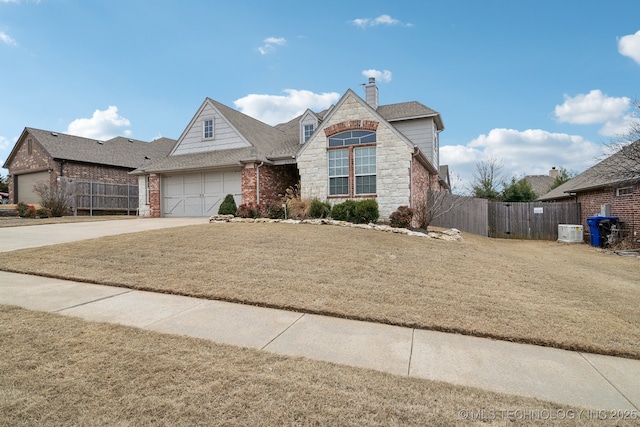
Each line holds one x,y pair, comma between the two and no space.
224,136
23,163
626,208
393,161
423,134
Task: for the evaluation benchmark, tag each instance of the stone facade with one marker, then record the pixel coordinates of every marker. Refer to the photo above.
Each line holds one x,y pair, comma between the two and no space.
393,159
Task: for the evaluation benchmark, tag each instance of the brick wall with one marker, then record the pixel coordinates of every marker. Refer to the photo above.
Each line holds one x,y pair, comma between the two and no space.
627,207
274,180
28,161
154,196
92,172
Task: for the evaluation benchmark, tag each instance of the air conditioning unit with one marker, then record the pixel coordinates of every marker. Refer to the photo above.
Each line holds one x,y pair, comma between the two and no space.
570,233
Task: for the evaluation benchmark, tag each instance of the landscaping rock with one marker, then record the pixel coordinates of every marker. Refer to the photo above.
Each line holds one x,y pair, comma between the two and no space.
452,234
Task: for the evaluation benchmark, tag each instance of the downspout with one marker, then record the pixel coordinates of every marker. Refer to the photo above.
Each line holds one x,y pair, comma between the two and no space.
258,182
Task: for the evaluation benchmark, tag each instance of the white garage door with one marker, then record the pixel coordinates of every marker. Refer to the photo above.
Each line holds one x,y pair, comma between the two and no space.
199,194
25,185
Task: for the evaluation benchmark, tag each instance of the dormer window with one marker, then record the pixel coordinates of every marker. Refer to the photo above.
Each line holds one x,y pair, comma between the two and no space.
308,131
207,129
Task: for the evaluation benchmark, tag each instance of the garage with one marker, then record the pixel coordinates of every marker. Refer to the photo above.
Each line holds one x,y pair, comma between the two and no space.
23,186
199,194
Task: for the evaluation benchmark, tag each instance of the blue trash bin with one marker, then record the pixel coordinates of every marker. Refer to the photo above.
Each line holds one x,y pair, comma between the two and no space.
599,225
594,230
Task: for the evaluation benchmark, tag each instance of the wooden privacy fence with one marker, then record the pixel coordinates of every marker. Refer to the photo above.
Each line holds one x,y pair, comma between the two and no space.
535,220
508,220
100,196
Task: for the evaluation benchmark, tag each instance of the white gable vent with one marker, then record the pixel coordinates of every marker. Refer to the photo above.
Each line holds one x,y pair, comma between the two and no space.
570,233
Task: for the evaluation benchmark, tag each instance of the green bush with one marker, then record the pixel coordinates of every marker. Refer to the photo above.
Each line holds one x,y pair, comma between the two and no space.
31,212
21,208
319,209
366,211
401,217
358,212
271,210
43,213
343,211
228,206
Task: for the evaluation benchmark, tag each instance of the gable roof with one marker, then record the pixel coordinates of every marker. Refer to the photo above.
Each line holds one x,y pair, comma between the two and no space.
265,142
540,184
602,175
119,152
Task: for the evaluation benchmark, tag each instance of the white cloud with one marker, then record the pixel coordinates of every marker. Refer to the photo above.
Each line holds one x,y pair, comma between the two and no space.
528,152
270,44
380,76
596,107
274,109
630,46
380,20
5,38
103,125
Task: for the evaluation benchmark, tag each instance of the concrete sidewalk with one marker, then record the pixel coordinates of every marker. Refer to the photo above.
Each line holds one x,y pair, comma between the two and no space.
571,378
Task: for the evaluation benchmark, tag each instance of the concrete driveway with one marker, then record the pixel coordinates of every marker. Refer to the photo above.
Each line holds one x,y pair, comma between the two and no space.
32,236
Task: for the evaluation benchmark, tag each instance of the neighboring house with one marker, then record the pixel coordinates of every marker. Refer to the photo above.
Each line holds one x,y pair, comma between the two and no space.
541,184
602,185
45,156
355,149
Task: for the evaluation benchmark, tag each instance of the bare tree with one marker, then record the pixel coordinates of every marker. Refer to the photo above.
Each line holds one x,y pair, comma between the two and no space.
435,204
623,162
487,179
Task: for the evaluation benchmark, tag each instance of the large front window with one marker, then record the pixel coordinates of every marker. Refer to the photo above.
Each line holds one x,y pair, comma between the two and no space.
352,169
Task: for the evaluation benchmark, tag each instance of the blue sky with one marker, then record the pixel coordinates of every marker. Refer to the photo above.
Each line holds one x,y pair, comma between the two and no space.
533,84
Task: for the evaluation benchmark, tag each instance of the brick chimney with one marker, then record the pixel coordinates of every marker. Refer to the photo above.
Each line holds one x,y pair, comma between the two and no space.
553,173
371,91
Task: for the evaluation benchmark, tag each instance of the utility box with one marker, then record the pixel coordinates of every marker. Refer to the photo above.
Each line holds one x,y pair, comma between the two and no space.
605,210
570,233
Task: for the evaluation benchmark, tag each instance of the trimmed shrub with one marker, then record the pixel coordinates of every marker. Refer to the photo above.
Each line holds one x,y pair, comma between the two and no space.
366,211
21,209
31,212
43,213
343,211
357,212
319,209
402,217
228,206
271,210
247,210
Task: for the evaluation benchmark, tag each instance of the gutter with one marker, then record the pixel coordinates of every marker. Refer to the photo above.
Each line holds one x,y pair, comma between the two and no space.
258,182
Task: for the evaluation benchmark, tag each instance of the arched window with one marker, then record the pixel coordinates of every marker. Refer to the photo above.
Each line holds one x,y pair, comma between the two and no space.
352,163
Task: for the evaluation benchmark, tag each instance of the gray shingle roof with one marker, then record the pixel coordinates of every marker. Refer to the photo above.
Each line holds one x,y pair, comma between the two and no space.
601,175
269,142
540,184
119,151
409,110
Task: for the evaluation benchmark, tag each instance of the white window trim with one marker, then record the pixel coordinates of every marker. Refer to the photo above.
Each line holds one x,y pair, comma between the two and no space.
356,175
329,176
624,191
204,128
306,137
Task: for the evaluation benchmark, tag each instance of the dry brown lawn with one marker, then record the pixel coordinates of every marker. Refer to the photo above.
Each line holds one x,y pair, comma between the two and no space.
62,371
6,221
566,296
